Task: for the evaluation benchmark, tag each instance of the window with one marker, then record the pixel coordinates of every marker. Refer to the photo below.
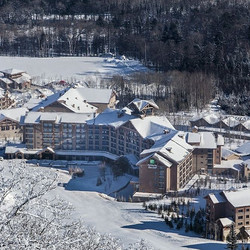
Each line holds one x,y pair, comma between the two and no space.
247,209
247,216
240,210
247,222
240,217
240,223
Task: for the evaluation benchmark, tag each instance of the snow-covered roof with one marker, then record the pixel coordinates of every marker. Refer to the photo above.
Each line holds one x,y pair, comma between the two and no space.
151,125
90,95
220,140
33,102
157,157
238,198
14,114
246,124
60,117
217,198
225,152
141,104
78,99
193,138
244,149
15,148
225,222
231,164
111,117
5,80
12,71
204,139
22,79
230,121
212,118
175,149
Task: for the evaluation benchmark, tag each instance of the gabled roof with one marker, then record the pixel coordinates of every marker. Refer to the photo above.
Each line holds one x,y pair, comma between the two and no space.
246,124
244,149
231,122
12,71
78,99
216,198
139,104
225,222
151,125
14,114
175,149
212,118
157,157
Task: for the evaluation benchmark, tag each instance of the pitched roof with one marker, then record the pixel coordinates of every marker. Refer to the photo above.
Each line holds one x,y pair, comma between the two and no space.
141,104
231,121
175,149
14,114
78,99
112,117
12,71
238,198
216,198
151,125
244,149
157,157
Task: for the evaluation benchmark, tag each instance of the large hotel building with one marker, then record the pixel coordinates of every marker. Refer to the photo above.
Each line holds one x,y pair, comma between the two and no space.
74,125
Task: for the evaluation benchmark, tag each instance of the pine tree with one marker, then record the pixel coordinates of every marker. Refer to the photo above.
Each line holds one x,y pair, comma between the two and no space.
232,238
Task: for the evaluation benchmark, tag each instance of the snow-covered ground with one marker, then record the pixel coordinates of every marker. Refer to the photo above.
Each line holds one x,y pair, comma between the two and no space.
71,69
124,220
127,221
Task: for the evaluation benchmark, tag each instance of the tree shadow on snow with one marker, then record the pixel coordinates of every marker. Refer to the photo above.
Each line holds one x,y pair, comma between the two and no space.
207,246
159,226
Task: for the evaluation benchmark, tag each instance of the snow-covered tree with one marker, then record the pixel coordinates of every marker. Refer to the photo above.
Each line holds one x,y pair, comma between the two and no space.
31,219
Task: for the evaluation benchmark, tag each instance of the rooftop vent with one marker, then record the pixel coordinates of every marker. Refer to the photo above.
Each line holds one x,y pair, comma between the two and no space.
181,135
169,149
166,131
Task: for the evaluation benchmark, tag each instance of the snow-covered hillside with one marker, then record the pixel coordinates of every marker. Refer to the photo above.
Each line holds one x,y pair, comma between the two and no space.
71,69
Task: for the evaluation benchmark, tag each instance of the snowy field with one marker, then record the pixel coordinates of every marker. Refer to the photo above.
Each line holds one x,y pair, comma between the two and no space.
71,69
124,220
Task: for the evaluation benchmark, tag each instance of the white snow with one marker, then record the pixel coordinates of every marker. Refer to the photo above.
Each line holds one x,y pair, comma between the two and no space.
238,198
70,69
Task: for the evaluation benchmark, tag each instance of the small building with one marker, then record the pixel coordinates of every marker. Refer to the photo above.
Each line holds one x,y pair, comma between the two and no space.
10,124
225,207
15,79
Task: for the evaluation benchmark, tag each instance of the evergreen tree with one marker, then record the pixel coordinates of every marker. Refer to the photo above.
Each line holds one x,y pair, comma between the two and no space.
232,238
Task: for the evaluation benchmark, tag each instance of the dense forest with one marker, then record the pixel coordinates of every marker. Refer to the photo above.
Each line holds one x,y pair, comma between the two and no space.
208,37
